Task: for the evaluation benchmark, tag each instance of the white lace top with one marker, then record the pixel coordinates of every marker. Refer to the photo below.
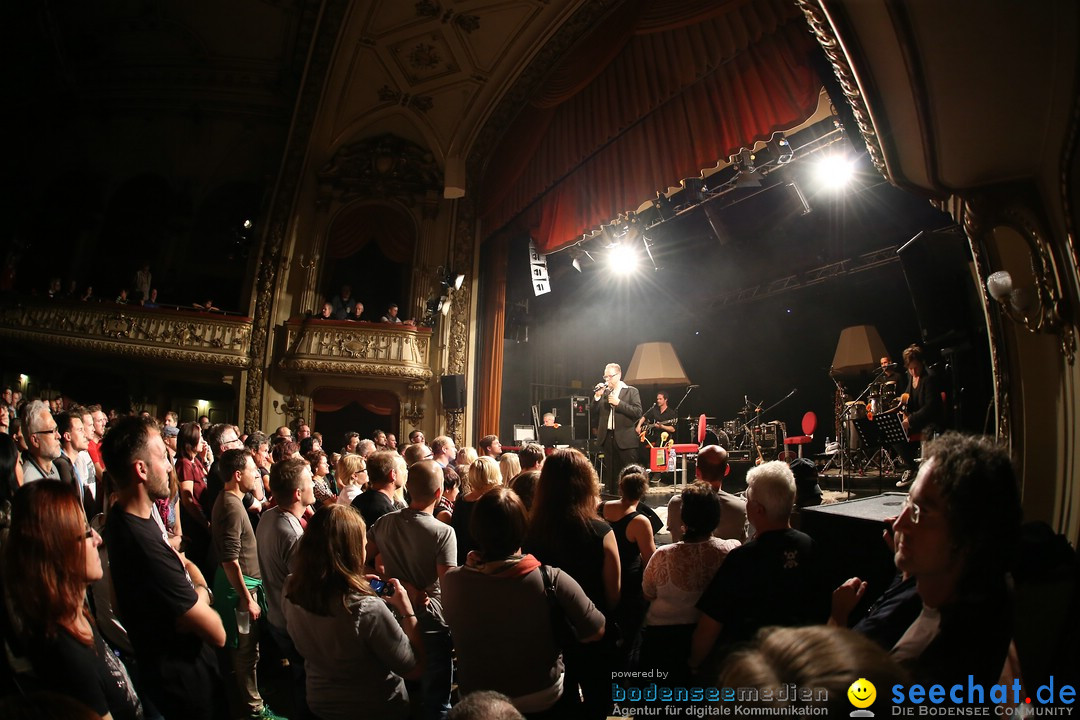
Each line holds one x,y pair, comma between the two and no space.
677,575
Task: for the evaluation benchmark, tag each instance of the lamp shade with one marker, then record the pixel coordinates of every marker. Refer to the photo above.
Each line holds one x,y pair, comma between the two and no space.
860,348
656,363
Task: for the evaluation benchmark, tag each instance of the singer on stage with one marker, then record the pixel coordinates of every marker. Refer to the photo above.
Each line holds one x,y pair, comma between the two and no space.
617,407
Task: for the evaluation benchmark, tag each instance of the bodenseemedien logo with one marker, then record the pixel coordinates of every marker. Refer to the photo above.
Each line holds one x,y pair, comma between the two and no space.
862,694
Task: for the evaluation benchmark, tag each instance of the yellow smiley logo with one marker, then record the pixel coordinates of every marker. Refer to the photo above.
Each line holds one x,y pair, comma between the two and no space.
862,693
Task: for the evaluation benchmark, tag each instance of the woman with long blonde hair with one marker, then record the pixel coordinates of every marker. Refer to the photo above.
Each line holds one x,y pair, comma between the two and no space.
484,474
351,476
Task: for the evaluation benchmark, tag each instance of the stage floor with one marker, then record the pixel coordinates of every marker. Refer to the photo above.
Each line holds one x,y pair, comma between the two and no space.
835,488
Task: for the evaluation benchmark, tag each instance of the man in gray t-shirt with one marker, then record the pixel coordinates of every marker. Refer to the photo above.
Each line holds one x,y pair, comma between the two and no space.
418,550
280,530
278,534
238,579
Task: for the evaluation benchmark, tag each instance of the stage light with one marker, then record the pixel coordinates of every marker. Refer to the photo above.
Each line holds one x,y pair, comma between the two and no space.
780,149
623,260
608,237
694,189
664,206
835,171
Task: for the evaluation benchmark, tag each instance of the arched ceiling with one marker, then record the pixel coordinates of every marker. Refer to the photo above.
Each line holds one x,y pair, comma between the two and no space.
432,72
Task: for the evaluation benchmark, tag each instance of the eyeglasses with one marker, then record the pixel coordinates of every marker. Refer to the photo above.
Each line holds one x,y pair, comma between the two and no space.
915,509
54,431
608,377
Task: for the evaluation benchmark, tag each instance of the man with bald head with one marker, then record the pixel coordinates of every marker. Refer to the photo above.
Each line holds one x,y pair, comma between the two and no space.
415,453
418,549
712,466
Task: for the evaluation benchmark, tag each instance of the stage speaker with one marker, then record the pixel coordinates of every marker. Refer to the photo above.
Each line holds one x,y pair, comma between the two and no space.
574,411
848,537
453,392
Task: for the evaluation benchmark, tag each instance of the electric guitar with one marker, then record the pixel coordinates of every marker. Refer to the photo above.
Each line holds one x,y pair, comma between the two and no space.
647,427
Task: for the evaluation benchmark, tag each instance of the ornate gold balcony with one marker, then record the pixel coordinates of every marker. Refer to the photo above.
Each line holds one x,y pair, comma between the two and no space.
334,347
129,330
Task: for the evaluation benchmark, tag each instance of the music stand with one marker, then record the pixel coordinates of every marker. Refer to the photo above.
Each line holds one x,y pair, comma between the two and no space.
555,436
879,433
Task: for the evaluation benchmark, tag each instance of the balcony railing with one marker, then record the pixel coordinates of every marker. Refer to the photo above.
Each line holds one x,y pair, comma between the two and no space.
356,348
129,330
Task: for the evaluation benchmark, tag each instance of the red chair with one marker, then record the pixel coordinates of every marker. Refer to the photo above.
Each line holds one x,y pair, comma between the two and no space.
809,425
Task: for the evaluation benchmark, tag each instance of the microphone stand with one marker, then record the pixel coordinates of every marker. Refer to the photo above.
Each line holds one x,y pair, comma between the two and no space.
844,416
760,414
678,406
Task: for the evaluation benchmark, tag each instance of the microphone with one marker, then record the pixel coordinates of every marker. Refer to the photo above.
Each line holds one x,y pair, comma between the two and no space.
890,366
746,400
599,386
693,386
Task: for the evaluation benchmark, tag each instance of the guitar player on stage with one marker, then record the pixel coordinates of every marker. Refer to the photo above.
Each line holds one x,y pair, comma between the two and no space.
617,407
660,418
923,412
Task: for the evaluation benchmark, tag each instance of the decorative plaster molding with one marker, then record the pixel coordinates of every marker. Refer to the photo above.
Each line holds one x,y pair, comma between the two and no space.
324,36
362,349
826,37
116,330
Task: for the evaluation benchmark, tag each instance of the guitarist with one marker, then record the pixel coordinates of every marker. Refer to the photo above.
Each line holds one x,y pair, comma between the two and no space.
658,419
924,414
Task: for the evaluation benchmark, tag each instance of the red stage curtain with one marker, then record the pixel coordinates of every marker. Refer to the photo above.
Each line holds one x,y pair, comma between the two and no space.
357,225
683,91
491,359
376,402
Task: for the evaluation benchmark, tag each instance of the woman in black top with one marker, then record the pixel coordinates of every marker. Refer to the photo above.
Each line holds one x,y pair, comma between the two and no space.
564,531
50,558
634,538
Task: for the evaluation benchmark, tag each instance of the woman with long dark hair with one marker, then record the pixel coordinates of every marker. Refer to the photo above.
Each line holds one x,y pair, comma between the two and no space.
191,467
564,531
9,482
356,652
50,558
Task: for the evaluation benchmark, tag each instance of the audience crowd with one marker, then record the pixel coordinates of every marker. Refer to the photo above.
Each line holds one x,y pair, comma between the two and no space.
148,565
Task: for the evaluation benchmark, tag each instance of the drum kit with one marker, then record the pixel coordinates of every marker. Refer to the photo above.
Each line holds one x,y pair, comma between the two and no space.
883,398
746,434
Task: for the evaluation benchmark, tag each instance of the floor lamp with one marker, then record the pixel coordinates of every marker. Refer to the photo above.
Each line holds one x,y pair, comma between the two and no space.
858,349
656,364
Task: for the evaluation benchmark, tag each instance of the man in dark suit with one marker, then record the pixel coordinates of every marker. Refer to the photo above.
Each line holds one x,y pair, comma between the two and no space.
617,407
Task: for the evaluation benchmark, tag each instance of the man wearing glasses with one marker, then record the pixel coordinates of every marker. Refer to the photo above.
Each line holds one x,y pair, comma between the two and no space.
956,536
220,437
617,407
777,578
42,441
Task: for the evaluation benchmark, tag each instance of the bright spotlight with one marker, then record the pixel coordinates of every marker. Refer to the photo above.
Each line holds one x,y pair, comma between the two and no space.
835,171
623,260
